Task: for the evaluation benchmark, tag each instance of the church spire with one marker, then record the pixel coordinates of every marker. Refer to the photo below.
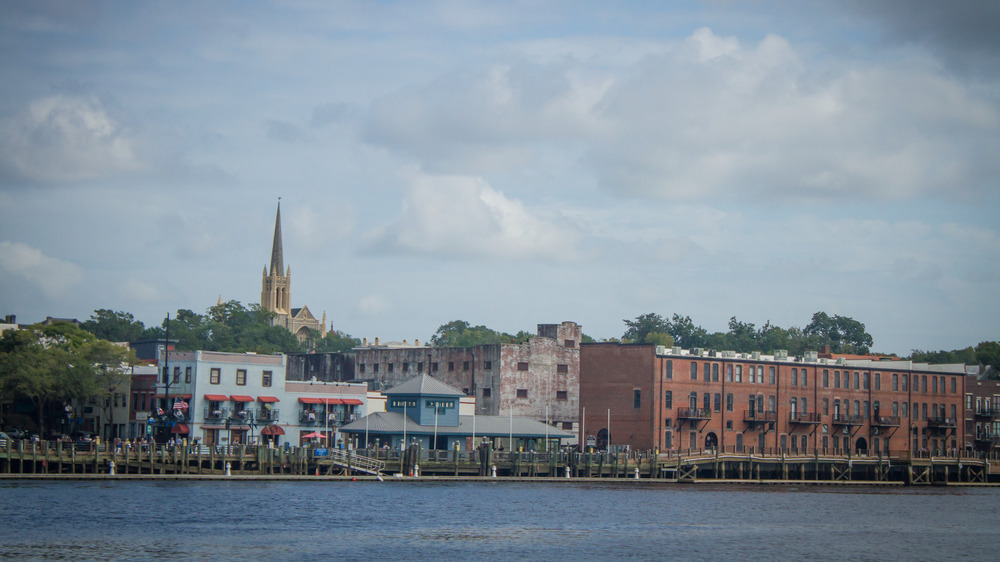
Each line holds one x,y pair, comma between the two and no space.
277,260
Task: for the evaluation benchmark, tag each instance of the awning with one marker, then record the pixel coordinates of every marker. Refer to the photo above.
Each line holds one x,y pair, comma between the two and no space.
272,430
216,397
352,401
267,399
241,398
163,396
306,400
180,428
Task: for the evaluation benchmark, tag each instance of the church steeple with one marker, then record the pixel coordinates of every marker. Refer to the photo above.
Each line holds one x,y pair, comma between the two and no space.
277,260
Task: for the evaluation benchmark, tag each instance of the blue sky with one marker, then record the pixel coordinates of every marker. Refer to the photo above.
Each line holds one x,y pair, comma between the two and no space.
507,163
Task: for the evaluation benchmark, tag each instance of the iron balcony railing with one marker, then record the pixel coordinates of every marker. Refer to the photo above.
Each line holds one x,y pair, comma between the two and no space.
885,421
755,416
940,422
984,412
267,416
694,413
805,417
848,419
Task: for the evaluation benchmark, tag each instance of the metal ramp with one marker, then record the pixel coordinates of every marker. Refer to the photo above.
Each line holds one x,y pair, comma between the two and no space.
350,461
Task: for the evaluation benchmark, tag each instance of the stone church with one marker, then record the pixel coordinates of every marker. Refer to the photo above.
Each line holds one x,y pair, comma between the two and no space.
276,293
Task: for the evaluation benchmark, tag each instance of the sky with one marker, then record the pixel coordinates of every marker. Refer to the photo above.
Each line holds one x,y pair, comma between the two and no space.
508,163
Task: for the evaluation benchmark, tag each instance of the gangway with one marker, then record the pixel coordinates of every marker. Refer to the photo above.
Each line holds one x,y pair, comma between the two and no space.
351,461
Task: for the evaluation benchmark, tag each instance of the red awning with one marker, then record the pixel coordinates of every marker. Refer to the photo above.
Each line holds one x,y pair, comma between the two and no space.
241,398
305,400
272,430
267,399
182,396
180,428
352,401
216,397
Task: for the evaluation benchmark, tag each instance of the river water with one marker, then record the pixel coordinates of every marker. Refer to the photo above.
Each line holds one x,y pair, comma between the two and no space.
257,520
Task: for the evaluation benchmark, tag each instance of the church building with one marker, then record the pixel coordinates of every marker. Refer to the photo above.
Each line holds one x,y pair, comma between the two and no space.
276,293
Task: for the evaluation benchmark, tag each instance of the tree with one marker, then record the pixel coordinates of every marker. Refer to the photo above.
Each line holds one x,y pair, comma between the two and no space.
644,325
988,353
335,341
841,333
113,325
459,333
109,376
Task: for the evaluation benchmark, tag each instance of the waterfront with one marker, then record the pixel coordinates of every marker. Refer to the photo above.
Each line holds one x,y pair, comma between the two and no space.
501,520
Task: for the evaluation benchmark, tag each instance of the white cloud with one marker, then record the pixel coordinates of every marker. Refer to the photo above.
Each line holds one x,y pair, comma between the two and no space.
374,305
66,138
54,276
138,290
462,217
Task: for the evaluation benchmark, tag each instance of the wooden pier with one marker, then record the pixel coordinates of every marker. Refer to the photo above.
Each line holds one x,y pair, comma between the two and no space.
56,458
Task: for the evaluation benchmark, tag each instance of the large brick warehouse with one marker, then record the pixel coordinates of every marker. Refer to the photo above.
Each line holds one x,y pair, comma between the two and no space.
675,399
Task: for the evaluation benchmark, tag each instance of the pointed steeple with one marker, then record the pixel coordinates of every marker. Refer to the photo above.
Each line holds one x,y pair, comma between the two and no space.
277,260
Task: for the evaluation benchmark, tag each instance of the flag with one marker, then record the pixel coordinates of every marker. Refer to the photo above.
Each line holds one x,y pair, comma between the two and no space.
180,404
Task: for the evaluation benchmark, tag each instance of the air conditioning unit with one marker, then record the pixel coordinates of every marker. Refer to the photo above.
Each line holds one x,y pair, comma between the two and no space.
729,354
755,355
661,350
697,351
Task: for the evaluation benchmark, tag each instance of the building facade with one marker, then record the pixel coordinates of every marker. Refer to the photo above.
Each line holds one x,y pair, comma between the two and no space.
982,414
537,379
669,398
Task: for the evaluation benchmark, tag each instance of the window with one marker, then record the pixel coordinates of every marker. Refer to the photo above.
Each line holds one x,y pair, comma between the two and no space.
715,372
729,373
934,381
213,377
803,405
739,373
487,365
795,377
406,366
760,374
522,393
465,365
878,381
729,402
707,372
826,406
793,407
636,398
694,371
562,395
375,367
487,392
361,368
187,374
166,375
770,375
904,382
668,440
451,366
826,378
391,367
895,409
241,377
265,378
434,366
420,367
567,426
954,385
670,369
562,368
895,381
668,400
693,401
717,402
836,379
522,366
923,384
857,380
570,343
770,403
857,407
707,401
804,383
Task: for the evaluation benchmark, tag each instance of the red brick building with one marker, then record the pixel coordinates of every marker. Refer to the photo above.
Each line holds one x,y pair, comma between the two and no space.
669,398
982,414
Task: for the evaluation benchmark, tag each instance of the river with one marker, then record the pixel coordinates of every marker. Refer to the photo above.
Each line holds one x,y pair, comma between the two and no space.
494,521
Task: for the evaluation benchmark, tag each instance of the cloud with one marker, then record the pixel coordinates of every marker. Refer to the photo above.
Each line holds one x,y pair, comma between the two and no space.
54,276
708,117
63,138
284,131
374,305
456,217
135,289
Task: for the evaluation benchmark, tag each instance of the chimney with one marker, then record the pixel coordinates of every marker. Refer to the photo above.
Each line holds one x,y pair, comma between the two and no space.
376,340
364,342
416,343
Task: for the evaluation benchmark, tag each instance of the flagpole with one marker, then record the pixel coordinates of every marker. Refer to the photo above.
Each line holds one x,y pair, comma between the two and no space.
546,429
403,444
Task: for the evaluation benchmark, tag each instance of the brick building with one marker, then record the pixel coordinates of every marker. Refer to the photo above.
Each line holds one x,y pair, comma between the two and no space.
537,379
982,414
669,398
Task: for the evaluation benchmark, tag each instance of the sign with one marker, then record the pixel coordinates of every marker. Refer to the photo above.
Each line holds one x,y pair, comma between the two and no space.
591,441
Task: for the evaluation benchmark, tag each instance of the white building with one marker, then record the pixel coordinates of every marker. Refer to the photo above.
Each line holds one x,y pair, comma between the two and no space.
243,398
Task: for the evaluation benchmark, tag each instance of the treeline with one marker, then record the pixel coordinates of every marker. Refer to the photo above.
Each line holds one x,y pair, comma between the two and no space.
986,353
229,326
841,333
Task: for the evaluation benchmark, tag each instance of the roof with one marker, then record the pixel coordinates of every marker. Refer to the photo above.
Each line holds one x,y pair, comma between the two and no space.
489,426
424,384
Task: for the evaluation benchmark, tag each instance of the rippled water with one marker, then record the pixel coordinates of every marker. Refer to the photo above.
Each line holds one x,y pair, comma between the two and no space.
537,521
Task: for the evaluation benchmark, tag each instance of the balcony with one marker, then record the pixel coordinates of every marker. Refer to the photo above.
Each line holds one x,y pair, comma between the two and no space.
847,419
267,416
983,412
810,418
694,413
217,415
988,439
939,422
753,416
885,421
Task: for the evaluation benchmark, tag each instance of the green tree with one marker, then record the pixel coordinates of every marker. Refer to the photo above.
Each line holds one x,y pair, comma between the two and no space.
114,325
643,325
335,341
459,333
841,333
988,353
